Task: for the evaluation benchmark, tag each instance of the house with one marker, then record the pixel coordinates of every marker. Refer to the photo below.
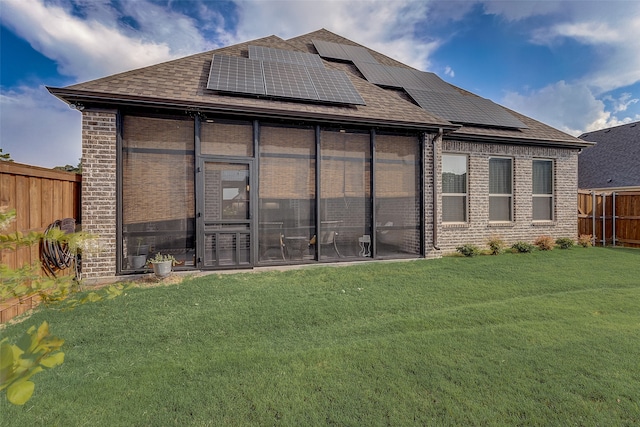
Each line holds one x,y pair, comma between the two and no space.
613,164
306,150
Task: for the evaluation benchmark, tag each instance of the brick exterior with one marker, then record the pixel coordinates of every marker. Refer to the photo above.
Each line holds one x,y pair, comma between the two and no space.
99,190
99,193
478,229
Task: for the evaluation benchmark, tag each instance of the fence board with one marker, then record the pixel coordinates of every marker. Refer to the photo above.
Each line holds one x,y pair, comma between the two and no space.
38,197
625,220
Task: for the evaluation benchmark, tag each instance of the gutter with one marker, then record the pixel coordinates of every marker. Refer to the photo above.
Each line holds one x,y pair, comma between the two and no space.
437,139
496,139
73,97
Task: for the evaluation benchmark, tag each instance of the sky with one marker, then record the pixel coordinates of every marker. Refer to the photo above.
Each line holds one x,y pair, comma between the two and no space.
574,65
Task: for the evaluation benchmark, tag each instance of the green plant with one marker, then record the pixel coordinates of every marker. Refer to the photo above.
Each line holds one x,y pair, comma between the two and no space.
565,242
585,240
34,352
545,243
162,258
523,247
468,250
27,279
496,245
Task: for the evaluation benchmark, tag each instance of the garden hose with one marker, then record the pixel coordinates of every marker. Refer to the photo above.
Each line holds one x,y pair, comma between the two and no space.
56,256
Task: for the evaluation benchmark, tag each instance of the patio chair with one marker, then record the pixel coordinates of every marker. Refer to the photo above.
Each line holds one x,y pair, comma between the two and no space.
328,237
271,237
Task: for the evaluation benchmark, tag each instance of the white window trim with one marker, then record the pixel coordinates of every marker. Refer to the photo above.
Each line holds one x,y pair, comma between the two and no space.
466,190
511,195
553,190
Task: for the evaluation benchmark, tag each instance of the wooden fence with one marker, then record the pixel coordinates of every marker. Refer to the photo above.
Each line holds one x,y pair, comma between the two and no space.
613,218
40,196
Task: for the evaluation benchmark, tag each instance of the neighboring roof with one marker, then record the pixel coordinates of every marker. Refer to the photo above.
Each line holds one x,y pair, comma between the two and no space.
615,159
182,83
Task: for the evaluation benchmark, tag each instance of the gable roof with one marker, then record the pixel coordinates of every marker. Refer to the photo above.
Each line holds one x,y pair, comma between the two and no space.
615,159
182,84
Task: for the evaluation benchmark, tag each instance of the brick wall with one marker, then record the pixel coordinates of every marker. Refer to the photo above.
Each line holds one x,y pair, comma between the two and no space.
478,229
99,190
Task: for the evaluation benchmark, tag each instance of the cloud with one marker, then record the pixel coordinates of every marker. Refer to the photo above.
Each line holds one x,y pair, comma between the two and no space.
38,129
571,108
389,27
449,71
94,47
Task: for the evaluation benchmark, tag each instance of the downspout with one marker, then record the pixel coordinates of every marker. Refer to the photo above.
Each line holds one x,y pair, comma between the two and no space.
436,140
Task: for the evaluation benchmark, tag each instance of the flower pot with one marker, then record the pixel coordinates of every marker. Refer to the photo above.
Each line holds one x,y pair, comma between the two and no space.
137,261
162,269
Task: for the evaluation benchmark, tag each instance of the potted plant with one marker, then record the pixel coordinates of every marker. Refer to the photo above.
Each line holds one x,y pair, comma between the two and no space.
162,264
140,258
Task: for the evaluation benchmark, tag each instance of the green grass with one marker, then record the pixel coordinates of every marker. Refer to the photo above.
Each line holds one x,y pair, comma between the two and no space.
548,338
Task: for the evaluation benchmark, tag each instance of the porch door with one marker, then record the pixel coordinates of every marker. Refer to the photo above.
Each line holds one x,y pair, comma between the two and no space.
225,220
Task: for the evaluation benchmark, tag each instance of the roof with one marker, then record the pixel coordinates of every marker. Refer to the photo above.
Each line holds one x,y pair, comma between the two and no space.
615,159
182,83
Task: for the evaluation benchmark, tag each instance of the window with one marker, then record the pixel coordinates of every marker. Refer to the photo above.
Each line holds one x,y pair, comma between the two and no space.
542,190
454,188
500,189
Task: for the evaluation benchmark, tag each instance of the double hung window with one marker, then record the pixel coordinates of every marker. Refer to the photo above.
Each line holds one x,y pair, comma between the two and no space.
542,190
500,189
454,188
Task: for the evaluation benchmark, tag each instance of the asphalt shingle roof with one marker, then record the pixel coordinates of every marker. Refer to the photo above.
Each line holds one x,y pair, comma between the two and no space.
182,83
615,159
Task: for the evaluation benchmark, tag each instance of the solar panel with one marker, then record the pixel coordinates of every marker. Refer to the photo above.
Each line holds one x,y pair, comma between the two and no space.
434,102
499,115
288,81
236,75
459,108
357,53
432,82
330,50
334,86
281,80
287,56
377,74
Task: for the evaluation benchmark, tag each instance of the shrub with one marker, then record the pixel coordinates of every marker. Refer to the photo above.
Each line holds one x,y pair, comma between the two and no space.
523,247
496,245
565,242
545,243
585,240
468,250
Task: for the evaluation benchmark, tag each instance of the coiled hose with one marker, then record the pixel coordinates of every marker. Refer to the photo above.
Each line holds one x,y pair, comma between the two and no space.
56,256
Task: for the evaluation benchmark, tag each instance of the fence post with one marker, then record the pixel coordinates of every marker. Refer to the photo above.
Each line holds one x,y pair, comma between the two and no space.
604,220
593,217
613,217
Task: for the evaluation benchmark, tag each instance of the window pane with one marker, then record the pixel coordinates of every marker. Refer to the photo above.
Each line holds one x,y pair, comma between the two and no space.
454,174
158,189
499,208
287,193
500,176
542,208
542,177
454,208
397,195
228,138
345,204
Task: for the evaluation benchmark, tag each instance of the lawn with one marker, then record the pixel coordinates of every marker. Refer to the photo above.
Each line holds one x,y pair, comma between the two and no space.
548,338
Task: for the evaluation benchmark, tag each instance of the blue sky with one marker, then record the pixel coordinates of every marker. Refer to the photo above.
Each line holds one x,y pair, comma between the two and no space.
574,65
